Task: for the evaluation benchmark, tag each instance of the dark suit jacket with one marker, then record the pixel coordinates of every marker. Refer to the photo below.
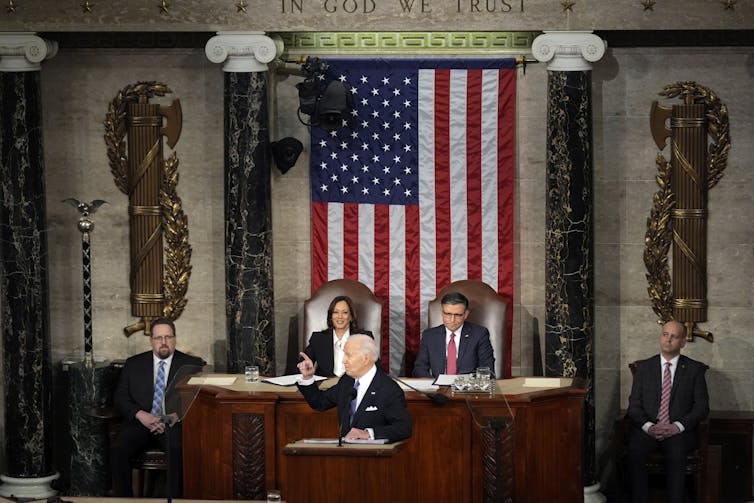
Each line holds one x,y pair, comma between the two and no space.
474,350
320,351
135,387
387,414
689,402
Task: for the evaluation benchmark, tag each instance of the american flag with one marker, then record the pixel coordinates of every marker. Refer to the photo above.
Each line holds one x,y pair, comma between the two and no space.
416,189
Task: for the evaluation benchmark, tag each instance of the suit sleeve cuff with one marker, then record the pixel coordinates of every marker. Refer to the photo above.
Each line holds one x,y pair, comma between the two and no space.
371,433
305,382
680,426
646,426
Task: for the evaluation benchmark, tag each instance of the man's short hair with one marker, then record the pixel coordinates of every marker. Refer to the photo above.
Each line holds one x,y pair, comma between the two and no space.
163,321
454,298
367,346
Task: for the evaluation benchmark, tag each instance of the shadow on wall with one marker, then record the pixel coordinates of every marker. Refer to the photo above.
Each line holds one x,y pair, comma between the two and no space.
291,356
220,356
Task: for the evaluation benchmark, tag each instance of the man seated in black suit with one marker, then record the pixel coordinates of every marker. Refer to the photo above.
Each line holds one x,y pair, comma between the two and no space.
325,348
457,346
140,399
668,400
370,404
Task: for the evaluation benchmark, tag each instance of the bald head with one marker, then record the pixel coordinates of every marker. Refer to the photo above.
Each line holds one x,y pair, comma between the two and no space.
672,339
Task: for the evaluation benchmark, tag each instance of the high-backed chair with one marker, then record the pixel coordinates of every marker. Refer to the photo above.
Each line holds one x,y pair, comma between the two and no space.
486,308
367,307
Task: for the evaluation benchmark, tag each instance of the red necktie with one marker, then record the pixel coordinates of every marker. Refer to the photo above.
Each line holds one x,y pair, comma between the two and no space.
451,367
667,385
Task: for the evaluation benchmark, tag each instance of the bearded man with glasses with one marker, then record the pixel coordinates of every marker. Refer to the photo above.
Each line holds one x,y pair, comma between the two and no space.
457,346
139,399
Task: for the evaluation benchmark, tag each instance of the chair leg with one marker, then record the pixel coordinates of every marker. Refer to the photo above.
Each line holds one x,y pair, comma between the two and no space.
148,484
136,482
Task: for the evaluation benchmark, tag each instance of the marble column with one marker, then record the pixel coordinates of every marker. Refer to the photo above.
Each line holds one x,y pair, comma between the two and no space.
24,318
89,389
248,208
569,239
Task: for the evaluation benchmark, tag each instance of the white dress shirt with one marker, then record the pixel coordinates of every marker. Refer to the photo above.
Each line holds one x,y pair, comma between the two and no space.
337,352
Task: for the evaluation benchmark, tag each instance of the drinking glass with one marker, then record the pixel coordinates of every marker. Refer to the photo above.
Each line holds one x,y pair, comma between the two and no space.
484,378
252,373
273,496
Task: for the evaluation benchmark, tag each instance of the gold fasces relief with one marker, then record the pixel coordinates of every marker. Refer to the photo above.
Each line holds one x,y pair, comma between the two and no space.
159,248
700,141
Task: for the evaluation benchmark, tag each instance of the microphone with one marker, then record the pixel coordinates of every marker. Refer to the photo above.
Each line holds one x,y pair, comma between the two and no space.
351,397
437,398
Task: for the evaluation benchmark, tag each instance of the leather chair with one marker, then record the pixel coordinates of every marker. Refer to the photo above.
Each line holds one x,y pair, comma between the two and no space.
696,460
367,307
486,308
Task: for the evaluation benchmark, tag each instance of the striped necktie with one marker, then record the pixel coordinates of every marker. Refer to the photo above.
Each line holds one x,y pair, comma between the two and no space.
159,390
667,385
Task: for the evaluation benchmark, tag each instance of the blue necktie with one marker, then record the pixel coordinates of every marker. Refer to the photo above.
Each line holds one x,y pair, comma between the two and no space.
159,390
353,402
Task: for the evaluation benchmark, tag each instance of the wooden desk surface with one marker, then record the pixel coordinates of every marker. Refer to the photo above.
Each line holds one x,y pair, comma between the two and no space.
302,448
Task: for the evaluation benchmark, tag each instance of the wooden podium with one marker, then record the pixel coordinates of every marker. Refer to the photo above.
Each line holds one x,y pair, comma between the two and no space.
522,443
345,473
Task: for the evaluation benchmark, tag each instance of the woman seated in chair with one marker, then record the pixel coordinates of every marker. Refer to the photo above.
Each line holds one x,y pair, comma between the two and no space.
326,347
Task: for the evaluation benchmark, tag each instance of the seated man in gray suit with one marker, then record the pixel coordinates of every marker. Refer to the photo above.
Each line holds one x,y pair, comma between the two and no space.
457,346
668,400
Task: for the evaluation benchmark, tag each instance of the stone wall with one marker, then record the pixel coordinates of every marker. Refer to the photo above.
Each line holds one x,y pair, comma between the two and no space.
380,15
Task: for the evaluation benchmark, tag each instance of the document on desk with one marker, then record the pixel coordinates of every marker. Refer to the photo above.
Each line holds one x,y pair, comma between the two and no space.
422,384
445,380
320,440
373,441
212,381
289,380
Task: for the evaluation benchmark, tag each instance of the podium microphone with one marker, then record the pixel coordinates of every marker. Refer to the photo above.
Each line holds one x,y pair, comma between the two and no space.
351,398
437,398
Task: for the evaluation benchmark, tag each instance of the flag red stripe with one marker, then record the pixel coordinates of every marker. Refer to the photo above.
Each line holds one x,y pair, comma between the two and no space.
442,177
413,290
506,173
474,173
382,277
319,245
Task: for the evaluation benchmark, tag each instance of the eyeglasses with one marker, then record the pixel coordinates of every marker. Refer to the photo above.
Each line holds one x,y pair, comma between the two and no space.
163,338
453,315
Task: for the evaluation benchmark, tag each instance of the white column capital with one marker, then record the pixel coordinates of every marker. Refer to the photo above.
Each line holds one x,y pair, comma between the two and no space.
568,51
24,51
242,51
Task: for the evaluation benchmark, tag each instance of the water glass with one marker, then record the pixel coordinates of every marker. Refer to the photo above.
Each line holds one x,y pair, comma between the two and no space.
273,496
461,382
484,378
252,373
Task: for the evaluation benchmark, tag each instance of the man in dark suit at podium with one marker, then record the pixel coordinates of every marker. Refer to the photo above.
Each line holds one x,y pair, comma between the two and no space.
370,404
668,400
140,399
457,346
